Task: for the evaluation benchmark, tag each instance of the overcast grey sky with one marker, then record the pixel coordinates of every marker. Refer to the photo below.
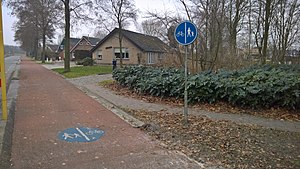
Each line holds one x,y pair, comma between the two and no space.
142,5
7,26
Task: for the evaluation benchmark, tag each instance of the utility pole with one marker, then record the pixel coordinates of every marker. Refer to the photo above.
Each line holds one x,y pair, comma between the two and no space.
2,66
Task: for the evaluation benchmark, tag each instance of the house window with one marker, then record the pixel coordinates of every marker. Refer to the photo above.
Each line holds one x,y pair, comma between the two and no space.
99,55
150,58
125,53
160,56
81,43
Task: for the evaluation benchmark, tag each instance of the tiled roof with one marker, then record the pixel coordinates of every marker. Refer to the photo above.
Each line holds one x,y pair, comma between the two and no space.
144,42
73,42
92,40
52,47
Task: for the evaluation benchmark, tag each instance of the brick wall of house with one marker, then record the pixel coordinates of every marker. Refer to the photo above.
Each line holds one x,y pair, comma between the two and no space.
107,49
83,45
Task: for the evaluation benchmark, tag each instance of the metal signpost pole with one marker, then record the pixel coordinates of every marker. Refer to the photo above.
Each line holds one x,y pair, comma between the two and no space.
185,111
185,34
3,79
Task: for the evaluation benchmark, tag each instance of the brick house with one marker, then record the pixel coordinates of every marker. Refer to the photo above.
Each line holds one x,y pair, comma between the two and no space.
84,44
61,51
292,56
137,48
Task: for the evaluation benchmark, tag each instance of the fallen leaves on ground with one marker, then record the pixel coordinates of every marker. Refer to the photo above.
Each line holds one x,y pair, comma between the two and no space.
223,143
221,107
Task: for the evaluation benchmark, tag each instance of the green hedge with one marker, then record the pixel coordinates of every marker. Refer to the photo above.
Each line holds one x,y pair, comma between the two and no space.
258,86
86,62
81,54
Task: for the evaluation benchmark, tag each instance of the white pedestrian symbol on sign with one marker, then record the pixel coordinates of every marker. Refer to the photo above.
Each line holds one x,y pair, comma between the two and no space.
190,33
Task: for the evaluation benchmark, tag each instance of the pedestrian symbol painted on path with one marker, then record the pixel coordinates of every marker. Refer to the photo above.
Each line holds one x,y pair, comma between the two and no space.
80,134
185,33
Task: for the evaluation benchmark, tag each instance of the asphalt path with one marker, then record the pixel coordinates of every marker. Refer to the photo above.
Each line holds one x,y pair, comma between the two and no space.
11,63
6,127
49,108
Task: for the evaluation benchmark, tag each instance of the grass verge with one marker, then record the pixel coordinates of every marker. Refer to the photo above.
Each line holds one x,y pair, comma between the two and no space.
84,71
106,82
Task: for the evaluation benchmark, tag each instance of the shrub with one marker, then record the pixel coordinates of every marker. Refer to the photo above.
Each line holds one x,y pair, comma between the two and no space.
86,62
258,86
81,54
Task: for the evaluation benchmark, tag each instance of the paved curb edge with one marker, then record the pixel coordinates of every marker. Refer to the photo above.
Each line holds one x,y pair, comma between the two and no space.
126,117
107,104
6,141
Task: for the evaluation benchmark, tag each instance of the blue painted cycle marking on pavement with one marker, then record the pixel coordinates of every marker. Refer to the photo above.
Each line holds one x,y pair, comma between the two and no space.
80,134
185,33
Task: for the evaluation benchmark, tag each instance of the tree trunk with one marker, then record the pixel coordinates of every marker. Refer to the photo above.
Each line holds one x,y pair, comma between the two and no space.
250,30
233,44
36,41
44,46
35,48
266,32
120,43
67,37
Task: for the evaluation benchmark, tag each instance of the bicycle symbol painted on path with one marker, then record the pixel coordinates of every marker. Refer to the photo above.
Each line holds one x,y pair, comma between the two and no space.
80,134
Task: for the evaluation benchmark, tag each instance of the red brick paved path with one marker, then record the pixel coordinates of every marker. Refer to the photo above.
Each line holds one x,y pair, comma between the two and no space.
48,104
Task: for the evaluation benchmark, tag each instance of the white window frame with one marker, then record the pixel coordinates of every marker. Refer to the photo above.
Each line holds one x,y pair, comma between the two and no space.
99,55
125,52
150,58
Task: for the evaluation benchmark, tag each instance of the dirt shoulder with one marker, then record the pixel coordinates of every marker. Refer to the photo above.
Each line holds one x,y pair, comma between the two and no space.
224,143
221,142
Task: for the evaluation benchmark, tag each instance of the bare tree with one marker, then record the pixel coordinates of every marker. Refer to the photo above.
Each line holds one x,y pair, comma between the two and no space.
121,12
235,11
39,15
211,23
151,27
166,20
164,23
48,12
285,28
76,7
263,14
26,37
67,36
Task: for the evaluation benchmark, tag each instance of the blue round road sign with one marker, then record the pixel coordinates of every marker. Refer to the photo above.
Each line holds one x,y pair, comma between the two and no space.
185,33
80,134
